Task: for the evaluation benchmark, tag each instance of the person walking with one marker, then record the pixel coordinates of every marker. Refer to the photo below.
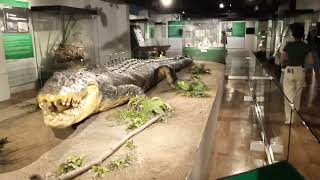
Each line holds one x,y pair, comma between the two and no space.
314,43
294,56
224,41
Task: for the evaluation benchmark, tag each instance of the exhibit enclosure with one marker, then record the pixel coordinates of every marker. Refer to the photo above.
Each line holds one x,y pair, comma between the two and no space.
65,37
148,38
202,40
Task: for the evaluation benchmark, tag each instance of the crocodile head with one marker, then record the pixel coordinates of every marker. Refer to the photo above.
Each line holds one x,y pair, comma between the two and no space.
69,97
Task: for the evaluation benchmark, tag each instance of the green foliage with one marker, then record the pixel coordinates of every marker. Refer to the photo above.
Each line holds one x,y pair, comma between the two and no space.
142,109
99,171
199,69
194,88
122,162
73,162
130,145
183,85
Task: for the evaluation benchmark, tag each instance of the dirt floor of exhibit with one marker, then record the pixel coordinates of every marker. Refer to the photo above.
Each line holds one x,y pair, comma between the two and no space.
171,144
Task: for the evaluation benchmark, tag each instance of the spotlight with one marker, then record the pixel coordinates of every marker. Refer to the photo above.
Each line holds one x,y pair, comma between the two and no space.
166,3
256,8
221,5
183,12
230,5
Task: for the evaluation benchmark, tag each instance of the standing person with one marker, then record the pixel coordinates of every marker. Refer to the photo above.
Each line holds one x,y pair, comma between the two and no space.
295,54
224,40
314,43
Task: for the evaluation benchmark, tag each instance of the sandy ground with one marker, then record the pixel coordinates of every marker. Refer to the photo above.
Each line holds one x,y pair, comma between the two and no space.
164,150
28,137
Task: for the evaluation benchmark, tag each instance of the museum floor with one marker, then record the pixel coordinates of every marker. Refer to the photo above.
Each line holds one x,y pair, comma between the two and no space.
237,128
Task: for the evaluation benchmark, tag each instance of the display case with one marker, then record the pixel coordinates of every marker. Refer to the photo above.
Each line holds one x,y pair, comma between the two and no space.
65,37
202,40
148,38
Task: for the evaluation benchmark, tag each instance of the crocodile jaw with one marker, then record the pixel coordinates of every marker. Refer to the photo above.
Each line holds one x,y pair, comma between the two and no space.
65,116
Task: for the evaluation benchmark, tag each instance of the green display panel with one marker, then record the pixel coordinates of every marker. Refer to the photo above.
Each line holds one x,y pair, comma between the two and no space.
175,29
282,171
17,46
15,3
149,30
238,29
214,54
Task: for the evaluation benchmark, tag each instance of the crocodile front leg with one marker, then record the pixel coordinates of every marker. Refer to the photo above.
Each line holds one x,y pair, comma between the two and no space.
167,73
122,95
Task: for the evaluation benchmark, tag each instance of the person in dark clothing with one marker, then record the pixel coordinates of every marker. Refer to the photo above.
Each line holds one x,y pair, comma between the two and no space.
224,40
294,56
314,43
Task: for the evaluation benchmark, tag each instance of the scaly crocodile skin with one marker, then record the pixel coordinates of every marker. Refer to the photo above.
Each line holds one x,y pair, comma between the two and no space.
71,96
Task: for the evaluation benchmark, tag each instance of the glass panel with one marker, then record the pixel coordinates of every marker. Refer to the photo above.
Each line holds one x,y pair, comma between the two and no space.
276,129
64,41
304,149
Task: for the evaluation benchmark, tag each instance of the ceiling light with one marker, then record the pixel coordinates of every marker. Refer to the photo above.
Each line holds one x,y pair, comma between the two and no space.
230,5
183,12
166,3
256,8
221,5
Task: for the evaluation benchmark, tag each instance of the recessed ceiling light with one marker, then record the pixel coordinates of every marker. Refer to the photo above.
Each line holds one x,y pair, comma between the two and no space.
221,5
183,12
166,3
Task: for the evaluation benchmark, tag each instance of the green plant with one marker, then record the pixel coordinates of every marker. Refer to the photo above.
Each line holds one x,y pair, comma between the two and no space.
118,163
72,163
199,69
122,162
99,171
194,88
142,109
130,145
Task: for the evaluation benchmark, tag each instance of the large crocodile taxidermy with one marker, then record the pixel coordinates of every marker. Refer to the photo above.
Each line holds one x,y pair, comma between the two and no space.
70,96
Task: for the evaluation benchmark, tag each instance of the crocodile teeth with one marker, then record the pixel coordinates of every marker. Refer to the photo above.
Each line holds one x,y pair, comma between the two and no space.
68,101
75,104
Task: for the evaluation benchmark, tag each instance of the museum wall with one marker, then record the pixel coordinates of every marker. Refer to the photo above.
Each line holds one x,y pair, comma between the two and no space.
250,39
174,42
113,25
22,72
4,83
235,41
111,32
308,4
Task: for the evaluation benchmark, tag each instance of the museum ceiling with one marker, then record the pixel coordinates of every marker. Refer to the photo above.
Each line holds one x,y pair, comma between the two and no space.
232,9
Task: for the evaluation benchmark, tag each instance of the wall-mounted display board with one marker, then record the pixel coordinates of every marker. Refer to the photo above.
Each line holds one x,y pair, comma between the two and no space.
234,28
238,29
14,24
149,30
137,33
175,29
17,46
